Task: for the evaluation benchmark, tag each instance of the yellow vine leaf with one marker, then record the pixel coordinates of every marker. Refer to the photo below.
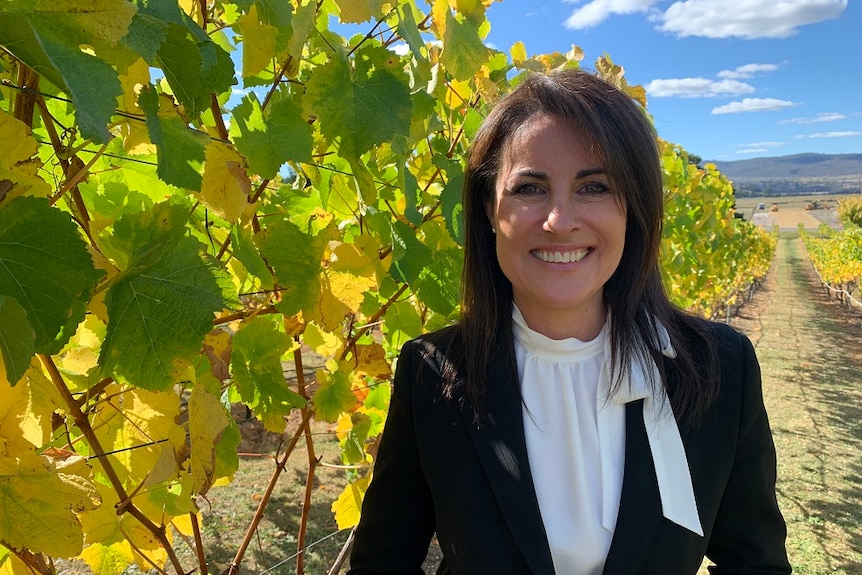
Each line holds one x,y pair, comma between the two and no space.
207,420
341,293
323,343
145,422
226,186
136,138
41,496
217,347
358,11
371,360
349,504
111,539
25,412
518,52
259,41
82,352
11,565
18,164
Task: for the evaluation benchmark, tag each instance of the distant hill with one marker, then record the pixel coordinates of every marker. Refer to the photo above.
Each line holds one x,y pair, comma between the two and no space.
795,166
796,174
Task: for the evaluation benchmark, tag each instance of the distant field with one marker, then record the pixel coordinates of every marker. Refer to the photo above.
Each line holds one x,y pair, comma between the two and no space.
791,210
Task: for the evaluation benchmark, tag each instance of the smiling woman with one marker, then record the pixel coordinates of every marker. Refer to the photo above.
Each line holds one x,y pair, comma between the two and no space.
574,421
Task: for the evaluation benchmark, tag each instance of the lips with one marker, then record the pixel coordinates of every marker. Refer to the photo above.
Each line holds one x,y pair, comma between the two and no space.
561,257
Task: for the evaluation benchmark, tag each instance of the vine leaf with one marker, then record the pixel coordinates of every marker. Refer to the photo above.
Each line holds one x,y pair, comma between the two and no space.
360,112
163,306
181,150
18,166
40,496
40,247
47,35
334,396
349,504
17,341
269,139
226,186
207,421
194,65
464,53
295,257
259,380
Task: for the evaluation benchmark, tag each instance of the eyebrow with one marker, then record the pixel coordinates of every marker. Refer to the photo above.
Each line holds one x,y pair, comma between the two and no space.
539,175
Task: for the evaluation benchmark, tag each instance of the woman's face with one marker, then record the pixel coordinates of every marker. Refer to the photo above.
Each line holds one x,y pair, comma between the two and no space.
560,228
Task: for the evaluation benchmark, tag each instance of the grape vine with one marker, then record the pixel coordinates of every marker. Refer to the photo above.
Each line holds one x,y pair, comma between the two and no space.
166,252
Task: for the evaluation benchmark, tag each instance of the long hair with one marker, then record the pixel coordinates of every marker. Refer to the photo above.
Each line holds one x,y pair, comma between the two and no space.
624,139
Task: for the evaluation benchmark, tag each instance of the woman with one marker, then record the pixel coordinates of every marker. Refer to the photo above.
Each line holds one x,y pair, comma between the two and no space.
574,421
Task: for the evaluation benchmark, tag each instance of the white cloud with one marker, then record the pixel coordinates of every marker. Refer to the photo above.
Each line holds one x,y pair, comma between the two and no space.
747,71
824,117
746,18
835,135
752,151
763,144
597,11
696,88
753,105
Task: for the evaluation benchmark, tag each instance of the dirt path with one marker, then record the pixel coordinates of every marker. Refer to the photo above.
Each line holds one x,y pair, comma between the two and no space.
810,350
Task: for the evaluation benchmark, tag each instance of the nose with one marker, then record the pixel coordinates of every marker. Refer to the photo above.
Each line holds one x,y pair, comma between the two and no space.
562,218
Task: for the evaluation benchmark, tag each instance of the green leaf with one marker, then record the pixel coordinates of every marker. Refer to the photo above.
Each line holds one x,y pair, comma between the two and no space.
464,53
295,257
334,395
47,35
159,314
142,238
245,251
45,266
450,198
360,112
181,150
17,340
409,255
258,375
269,139
194,65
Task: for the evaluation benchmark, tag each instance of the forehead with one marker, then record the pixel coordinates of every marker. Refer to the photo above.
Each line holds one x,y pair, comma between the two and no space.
547,138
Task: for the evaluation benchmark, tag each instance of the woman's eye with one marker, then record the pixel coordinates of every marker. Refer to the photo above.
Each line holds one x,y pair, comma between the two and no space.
595,189
527,190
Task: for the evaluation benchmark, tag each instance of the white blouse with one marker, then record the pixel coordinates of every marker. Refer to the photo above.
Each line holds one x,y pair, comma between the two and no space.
575,434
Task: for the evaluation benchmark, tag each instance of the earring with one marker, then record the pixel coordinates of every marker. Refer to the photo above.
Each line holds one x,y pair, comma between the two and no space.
493,230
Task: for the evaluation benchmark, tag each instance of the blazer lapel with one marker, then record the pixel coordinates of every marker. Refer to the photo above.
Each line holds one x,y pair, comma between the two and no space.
640,504
502,450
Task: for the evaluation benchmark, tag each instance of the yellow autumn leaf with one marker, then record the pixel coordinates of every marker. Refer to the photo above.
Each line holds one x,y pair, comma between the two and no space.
439,11
371,360
25,412
207,421
41,496
323,343
340,294
134,133
11,565
518,52
108,559
139,425
82,352
18,161
225,188
348,506
259,42
217,347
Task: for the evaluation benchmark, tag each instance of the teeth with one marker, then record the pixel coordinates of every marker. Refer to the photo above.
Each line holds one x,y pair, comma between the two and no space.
562,257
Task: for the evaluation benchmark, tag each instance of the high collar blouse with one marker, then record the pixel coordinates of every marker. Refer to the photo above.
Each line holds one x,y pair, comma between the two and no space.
575,434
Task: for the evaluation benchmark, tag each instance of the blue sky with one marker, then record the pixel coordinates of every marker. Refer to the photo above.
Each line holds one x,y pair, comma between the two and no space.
725,79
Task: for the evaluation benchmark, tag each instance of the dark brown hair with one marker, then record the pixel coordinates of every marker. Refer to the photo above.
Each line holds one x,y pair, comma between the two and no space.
623,137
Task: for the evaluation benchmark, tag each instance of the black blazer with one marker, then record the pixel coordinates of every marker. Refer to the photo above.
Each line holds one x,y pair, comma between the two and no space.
438,471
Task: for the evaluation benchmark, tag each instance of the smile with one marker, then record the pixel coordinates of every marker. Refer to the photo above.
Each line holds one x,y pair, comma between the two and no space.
561,257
